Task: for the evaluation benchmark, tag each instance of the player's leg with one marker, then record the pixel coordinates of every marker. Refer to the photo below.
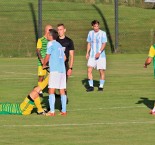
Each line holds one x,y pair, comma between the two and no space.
101,66
34,94
41,74
63,102
52,84
27,105
62,87
91,64
67,68
8,108
51,102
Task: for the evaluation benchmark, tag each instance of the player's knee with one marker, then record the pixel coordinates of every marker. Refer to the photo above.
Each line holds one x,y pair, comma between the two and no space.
37,89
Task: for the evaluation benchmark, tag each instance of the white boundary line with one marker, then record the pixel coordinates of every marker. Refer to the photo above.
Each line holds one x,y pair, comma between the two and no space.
21,73
107,108
82,124
15,78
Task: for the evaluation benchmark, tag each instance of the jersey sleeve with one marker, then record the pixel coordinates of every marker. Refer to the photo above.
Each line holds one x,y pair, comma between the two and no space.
39,44
71,45
104,38
88,38
151,52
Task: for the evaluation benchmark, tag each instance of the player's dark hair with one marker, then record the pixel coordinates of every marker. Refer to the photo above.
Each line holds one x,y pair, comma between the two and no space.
61,25
54,33
95,22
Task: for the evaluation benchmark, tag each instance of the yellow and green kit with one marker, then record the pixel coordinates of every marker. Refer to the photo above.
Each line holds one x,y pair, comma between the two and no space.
152,55
24,108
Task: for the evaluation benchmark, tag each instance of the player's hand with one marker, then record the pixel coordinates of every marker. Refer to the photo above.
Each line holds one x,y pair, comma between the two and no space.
145,66
87,56
97,55
69,72
45,66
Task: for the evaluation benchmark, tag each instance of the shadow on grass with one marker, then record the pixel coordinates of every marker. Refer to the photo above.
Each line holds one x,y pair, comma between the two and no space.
86,85
148,103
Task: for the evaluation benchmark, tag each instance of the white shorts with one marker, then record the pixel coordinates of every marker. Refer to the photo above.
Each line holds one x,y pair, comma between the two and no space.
57,80
97,63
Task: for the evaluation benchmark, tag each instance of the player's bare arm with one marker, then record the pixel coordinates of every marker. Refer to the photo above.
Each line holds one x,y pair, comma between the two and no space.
39,56
88,50
147,62
71,53
46,61
102,48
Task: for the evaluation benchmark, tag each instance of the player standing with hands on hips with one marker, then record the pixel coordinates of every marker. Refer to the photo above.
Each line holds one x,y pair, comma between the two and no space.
96,43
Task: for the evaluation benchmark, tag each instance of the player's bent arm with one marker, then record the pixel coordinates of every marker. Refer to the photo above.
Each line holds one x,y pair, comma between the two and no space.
147,62
71,53
100,51
103,47
39,55
47,57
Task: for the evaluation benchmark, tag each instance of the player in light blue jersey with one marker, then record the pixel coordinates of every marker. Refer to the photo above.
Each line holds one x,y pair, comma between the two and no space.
95,55
57,79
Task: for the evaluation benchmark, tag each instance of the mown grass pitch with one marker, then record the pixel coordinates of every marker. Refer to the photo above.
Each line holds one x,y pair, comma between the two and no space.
117,116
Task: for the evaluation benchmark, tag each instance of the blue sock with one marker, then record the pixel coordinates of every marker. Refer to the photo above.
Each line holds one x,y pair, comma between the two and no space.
91,83
63,102
102,83
52,102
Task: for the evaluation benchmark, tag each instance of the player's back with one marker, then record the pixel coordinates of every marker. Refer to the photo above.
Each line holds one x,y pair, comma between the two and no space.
56,61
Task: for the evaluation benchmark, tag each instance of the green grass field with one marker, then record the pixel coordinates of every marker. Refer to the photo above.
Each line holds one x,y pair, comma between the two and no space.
117,116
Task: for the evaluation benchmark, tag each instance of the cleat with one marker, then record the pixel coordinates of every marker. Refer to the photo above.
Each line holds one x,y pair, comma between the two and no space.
50,114
90,89
63,113
43,112
100,89
151,112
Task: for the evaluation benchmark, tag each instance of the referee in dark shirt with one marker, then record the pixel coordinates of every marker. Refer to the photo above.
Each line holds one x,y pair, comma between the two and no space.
69,50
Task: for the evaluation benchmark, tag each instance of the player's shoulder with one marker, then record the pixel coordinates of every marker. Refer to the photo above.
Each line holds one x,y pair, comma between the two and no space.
103,32
67,38
43,39
153,46
91,31
57,43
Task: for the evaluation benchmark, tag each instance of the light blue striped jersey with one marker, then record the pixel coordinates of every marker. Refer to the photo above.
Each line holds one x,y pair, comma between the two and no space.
56,61
96,39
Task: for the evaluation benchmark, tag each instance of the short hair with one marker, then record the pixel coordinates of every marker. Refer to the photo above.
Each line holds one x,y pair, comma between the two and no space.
53,33
61,25
95,22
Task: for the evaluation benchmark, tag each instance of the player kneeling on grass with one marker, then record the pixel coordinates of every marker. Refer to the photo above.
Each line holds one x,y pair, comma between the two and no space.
151,57
26,107
57,77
